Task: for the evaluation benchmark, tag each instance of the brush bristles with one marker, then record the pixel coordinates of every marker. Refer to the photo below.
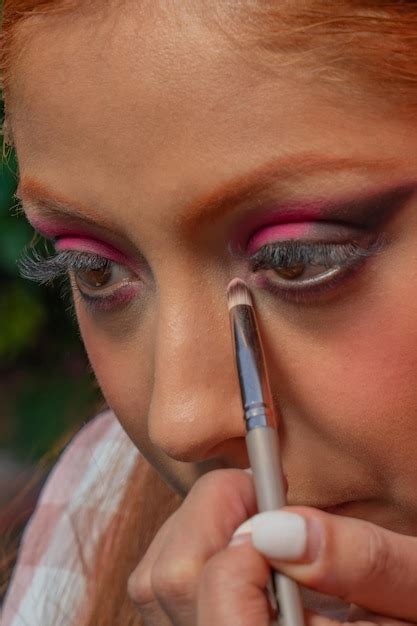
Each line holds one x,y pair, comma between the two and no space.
238,293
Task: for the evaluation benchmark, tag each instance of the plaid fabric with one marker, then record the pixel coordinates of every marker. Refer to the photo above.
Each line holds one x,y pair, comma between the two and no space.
76,506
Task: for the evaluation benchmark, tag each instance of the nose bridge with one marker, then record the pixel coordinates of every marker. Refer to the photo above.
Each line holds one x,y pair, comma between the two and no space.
195,400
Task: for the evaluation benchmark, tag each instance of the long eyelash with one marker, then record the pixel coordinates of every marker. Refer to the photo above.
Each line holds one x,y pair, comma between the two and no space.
33,266
288,253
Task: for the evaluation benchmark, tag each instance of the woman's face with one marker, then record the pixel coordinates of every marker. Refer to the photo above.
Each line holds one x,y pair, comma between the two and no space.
178,158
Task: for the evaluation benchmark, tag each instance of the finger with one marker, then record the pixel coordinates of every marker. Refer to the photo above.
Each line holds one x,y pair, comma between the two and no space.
140,581
232,590
341,556
358,614
218,503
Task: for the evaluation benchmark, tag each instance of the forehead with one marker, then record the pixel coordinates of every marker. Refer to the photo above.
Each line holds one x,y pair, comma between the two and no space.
153,109
146,85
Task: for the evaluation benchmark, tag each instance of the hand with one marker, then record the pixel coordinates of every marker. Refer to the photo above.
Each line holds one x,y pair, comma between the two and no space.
368,567
166,582
191,576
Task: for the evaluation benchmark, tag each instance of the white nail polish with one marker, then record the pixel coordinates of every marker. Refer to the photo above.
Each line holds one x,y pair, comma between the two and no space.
280,535
244,528
242,533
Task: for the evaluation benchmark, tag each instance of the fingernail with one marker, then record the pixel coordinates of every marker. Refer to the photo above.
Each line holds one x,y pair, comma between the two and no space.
280,535
242,534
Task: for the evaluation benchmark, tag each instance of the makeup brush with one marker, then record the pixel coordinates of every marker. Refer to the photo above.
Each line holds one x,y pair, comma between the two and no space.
261,429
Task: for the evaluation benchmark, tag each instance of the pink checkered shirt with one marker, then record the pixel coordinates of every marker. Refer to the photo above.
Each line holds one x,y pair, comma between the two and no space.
79,499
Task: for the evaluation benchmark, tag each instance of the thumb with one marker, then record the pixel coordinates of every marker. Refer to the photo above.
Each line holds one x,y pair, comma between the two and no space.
345,557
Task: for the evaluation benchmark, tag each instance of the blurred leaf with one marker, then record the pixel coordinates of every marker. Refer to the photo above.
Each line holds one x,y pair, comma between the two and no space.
15,236
8,173
46,408
21,318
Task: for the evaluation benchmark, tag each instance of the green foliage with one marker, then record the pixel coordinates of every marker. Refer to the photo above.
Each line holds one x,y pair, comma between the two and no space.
21,318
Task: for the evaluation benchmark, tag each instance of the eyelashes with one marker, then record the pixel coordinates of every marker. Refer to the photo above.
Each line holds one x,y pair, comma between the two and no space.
288,254
292,269
45,270
300,272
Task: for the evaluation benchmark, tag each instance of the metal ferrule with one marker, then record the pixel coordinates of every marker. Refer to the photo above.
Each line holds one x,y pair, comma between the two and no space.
251,369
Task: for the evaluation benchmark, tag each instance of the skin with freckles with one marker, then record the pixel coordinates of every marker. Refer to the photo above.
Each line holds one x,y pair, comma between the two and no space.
136,152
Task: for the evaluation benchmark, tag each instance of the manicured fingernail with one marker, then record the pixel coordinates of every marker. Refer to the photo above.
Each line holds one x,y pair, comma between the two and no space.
280,535
242,534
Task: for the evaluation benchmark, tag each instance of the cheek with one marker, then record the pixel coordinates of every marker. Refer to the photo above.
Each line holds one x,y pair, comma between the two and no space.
350,377
122,371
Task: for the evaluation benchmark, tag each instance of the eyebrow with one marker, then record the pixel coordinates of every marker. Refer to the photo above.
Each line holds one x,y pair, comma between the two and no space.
208,207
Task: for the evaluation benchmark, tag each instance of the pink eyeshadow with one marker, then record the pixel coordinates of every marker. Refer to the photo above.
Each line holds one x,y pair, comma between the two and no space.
278,232
86,244
288,215
121,297
71,238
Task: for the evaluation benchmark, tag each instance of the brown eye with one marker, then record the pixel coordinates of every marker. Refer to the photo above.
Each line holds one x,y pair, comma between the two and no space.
95,278
102,278
297,265
292,272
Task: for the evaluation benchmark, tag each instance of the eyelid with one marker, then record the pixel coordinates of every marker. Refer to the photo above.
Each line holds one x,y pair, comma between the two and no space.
313,232
93,246
270,257
368,211
304,251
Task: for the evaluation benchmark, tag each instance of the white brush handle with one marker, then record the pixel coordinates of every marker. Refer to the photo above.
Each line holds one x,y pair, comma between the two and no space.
263,450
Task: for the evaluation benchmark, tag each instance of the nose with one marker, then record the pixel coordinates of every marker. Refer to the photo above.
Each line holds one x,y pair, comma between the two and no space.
195,411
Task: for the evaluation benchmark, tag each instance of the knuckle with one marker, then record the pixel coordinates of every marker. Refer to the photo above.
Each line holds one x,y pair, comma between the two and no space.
228,485
139,588
211,481
174,581
222,481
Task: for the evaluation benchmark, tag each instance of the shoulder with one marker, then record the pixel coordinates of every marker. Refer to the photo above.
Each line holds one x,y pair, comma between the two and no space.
97,457
76,504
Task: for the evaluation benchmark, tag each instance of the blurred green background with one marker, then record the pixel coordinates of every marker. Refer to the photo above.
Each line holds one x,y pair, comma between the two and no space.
46,387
